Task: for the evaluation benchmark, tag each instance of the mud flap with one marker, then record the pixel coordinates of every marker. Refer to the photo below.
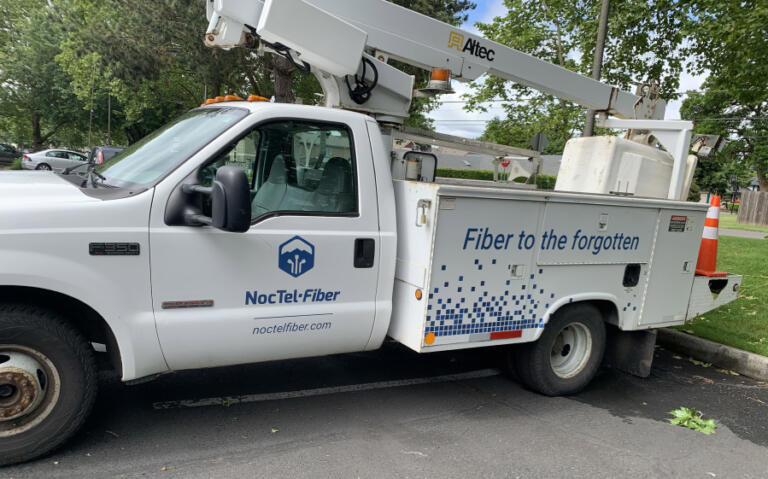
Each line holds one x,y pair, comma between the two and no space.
630,351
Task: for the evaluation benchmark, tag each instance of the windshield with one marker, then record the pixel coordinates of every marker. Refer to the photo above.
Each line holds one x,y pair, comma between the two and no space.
159,153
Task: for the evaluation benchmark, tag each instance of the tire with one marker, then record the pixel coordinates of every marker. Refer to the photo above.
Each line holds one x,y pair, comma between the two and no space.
567,355
37,342
44,167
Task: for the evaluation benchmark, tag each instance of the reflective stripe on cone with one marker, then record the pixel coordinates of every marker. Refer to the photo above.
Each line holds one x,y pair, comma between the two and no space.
707,263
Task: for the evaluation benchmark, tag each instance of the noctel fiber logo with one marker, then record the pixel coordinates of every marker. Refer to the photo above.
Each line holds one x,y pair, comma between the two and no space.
296,256
456,40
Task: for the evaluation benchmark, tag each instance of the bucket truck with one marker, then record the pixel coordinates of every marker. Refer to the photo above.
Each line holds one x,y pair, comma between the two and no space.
247,231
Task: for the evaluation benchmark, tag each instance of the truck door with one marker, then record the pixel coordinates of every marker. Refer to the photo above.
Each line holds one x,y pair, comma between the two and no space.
302,281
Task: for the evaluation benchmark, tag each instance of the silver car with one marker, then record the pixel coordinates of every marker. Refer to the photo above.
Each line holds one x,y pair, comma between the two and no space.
53,160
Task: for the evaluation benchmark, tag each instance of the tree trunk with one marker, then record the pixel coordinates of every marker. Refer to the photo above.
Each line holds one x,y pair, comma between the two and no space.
133,134
762,179
37,137
282,69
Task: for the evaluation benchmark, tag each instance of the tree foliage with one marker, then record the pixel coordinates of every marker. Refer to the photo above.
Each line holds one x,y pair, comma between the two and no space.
719,173
642,44
64,63
36,98
729,40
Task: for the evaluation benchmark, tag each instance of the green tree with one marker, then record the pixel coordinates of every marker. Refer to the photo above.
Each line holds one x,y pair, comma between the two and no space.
642,43
37,102
730,42
151,62
712,114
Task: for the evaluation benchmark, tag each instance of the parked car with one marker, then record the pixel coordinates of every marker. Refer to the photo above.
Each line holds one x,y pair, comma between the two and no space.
8,153
53,159
100,154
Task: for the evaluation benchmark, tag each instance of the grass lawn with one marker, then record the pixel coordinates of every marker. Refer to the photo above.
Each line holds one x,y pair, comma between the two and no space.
729,221
744,322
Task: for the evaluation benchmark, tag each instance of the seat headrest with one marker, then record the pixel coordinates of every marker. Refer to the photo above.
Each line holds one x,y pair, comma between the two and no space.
336,176
278,173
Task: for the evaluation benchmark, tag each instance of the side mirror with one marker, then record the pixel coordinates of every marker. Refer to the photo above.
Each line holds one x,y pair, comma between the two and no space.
230,201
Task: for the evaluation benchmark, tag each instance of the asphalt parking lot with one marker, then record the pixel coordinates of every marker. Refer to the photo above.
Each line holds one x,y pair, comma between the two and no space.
392,413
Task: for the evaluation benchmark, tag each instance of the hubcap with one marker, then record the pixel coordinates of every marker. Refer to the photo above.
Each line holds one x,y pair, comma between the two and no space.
29,389
571,350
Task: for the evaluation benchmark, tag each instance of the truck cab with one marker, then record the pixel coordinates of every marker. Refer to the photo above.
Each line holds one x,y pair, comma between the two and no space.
313,273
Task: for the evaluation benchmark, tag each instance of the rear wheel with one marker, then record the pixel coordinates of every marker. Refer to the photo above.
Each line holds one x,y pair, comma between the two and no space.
567,355
43,166
47,382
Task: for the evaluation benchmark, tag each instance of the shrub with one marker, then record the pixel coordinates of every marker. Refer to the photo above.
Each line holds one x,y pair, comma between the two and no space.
543,182
546,182
16,165
694,194
465,174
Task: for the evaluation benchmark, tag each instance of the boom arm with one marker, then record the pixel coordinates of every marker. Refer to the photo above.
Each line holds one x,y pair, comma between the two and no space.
332,34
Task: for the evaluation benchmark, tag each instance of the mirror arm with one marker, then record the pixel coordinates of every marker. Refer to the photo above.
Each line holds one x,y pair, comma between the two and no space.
187,188
194,218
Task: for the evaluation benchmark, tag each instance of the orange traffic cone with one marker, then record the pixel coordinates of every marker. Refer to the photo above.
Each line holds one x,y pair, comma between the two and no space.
707,264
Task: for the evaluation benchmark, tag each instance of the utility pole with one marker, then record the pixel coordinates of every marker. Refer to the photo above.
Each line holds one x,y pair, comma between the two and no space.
90,116
109,119
597,63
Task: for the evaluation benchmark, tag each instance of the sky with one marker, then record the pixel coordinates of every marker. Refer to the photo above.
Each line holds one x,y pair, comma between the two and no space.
450,117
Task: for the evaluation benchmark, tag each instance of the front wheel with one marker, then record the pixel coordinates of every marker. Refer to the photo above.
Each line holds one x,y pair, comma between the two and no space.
47,382
567,355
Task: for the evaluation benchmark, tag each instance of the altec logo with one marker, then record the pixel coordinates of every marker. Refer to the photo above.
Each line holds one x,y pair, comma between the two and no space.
296,256
456,40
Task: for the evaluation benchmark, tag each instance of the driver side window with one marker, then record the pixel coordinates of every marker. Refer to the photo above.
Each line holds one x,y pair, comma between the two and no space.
294,167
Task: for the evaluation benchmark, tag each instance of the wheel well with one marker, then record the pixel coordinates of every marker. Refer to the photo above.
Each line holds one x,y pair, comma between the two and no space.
79,315
608,310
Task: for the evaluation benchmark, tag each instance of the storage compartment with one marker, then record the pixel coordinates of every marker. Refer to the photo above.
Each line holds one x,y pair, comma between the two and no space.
609,164
488,266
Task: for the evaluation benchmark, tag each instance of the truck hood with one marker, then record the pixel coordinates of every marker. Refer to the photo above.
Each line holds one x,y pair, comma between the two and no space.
38,187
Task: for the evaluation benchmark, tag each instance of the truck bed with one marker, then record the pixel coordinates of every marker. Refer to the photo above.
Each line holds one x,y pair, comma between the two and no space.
493,264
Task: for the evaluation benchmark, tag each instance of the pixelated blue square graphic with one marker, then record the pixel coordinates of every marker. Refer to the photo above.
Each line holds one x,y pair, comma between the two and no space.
296,256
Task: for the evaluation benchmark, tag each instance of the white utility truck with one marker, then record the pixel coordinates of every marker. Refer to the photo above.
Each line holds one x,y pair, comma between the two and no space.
248,231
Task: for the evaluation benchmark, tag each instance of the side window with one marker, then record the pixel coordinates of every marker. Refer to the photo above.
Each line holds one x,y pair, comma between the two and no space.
52,154
305,167
294,167
242,155
75,156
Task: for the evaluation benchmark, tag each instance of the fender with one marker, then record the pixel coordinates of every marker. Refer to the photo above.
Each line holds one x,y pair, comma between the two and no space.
140,353
574,298
47,245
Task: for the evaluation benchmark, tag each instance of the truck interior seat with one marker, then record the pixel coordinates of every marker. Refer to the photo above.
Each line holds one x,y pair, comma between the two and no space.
270,195
334,192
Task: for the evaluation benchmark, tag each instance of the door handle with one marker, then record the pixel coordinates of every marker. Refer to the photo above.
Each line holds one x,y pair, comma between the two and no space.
365,251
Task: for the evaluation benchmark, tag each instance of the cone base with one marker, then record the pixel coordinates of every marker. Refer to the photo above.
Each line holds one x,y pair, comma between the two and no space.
711,274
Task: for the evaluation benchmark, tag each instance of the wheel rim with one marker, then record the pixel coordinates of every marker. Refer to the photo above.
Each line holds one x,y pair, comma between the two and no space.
571,350
44,167
29,388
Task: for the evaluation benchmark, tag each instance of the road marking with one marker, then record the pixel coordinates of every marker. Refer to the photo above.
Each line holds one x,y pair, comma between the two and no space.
230,400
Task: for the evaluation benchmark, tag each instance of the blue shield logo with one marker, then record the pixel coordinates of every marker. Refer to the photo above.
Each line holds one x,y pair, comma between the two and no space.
296,256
